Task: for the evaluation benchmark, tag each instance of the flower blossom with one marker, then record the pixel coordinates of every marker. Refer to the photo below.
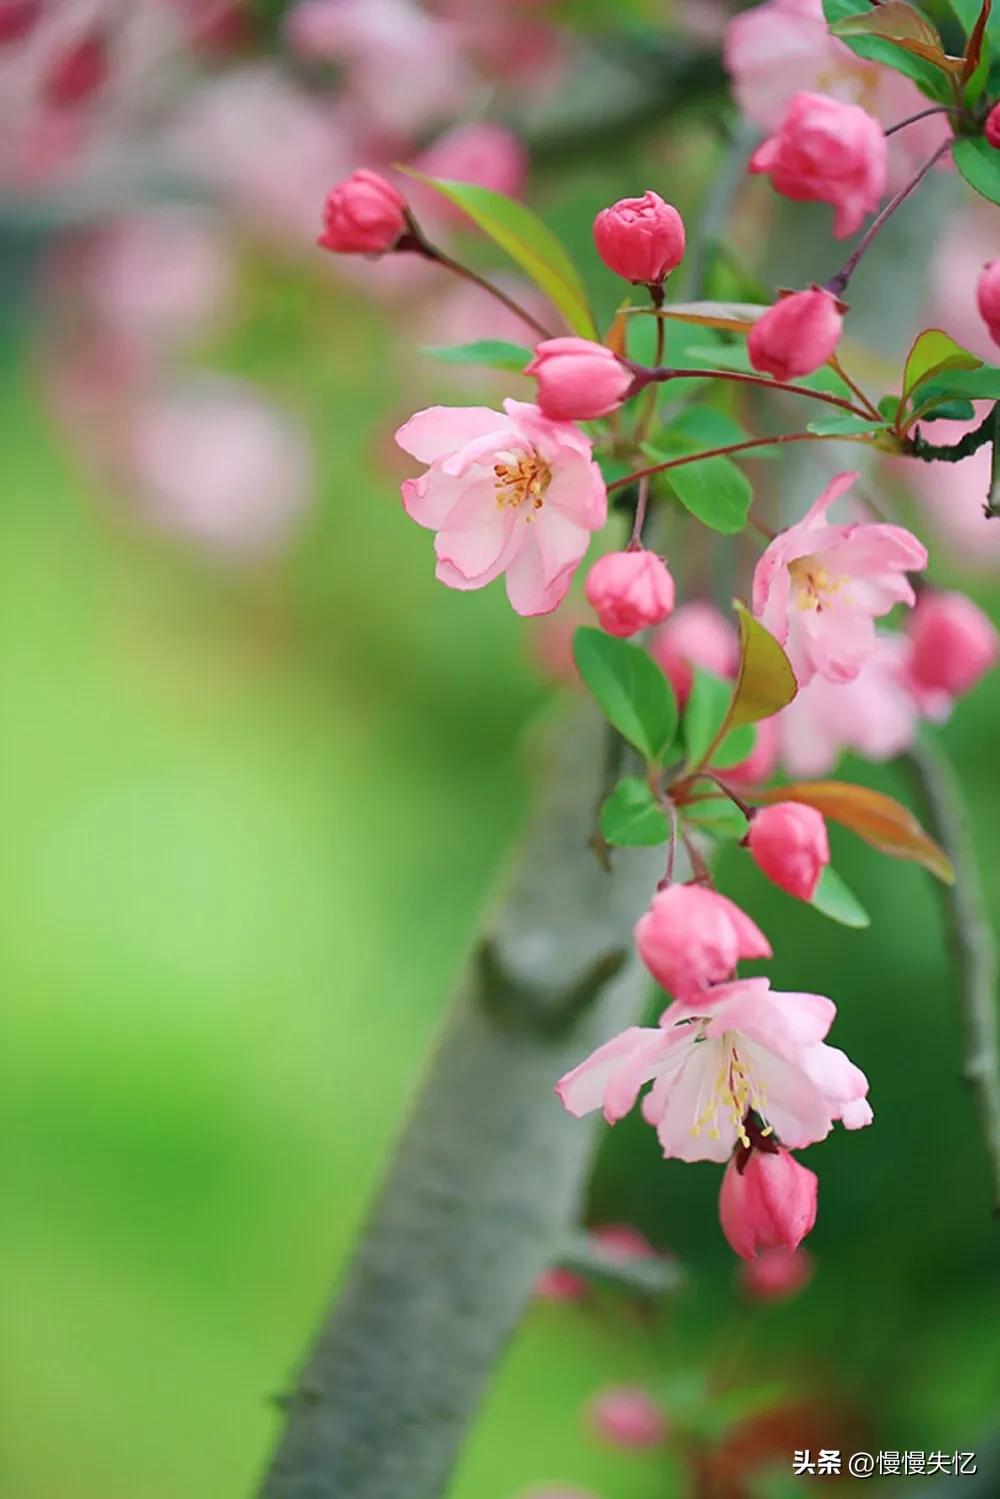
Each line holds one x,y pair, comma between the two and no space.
630,591
827,152
818,588
692,938
953,644
789,844
507,492
767,1200
797,335
711,1064
627,1417
695,635
640,239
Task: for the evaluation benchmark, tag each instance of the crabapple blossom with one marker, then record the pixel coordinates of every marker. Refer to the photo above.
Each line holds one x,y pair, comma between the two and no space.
696,634
953,643
507,492
483,153
578,379
988,298
712,1063
775,1274
818,587
641,239
627,1417
797,335
630,591
789,844
692,938
827,152
364,215
991,129
767,1200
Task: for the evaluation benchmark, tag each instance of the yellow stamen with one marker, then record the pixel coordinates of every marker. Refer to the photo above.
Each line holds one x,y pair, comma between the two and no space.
522,481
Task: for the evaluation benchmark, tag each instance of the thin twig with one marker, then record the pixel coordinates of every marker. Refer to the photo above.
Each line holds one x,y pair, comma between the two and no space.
731,447
661,374
923,114
415,241
838,284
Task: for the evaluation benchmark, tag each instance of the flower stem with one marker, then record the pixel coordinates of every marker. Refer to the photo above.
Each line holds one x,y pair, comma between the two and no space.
838,284
923,114
732,447
415,241
661,373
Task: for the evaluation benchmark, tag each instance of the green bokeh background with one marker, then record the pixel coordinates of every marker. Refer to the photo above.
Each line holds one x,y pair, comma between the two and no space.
251,815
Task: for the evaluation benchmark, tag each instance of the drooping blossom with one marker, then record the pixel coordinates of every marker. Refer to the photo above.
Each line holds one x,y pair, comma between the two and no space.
827,152
578,379
627,1417
641,239
749,1049
789,844
767,1199
776,1274
818,588
509,492
988,298
696,634
797,335
363,215
952,643
630,591
692,938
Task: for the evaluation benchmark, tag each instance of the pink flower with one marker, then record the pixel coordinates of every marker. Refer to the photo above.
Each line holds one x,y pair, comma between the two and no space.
759,765
577,379
557,1284
641,239
827,152
752,1049
78,73
767,1200
627,1417
775,1274
17,18
818,588
953,644
624,1240
988,298
630,591
510,493
797,335
488,155
696,635
991,129
364,215
692,938
789,844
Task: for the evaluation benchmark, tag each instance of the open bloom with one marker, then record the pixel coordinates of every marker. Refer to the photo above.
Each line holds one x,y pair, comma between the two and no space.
827,152
754,1049
641,239
578,379
630,591
767,1201
507,492
789,844
797,335
818,588
691,938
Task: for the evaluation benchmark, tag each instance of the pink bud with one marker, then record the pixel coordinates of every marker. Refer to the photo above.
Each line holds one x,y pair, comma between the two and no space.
627,1417
991,129
78,73
826,151
789,844
776,1274
363,215
624,1240
629,591
691,938
767,1201
557,1284
953,643
988,298
577,379
697,635
797,335
17,18
641,239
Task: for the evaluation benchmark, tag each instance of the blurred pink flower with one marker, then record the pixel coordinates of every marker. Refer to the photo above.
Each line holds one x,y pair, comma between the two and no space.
969,238
488,155
776,1274
696,634
557,1284
627,1417
825,151
161,277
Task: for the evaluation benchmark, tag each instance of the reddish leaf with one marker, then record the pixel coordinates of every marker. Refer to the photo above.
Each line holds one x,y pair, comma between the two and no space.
881,821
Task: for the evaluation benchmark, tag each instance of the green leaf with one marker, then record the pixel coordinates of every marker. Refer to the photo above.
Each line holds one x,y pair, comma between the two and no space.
889,407
766,682
934,352
719,816
519,231
833,898
845,426
630,687
971,385
632,817
735,748
494,353
706,427
979,164
706,710
929,78
958,410
714,490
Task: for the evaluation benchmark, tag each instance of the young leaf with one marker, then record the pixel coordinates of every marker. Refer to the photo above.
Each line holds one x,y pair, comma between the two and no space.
929,77
494,353
958,410
632,818
977,44
979,164
718,816
714,490
630,687
526,239
765,683
845,425
881,821
833,898
971,385
706,711
735,317
737,746
933,353
897,22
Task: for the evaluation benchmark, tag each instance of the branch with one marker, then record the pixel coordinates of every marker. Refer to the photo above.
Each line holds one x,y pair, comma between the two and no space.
486,1182
973,943
955,452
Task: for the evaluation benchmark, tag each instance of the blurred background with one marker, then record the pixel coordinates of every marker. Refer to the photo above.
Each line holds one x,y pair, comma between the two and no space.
261,772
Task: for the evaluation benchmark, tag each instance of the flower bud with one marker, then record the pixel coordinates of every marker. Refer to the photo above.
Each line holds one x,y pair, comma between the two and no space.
641,239
17,18
697,635
776,1274
825,151
988,298
79,73
691,938
953,643
991,129
627,1417
363,215
797,335
578,379
789,844
629,591
767,1201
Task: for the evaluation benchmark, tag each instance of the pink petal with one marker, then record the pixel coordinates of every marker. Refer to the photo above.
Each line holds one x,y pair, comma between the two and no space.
527,589
440,430
582,1090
